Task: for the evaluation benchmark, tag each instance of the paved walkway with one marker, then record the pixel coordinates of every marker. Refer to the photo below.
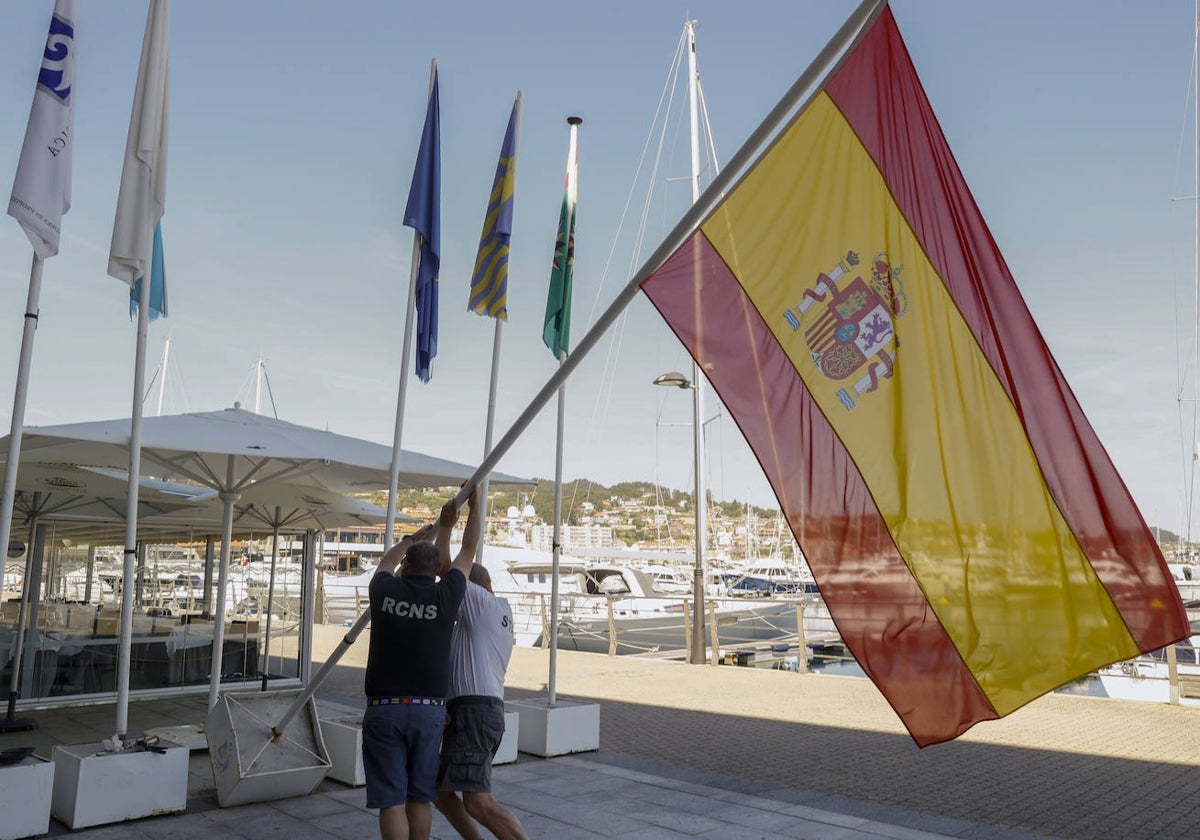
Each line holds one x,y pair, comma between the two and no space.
721,752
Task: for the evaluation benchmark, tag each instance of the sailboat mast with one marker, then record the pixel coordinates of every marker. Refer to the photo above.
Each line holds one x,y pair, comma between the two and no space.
258,378
701,570
694,108
1195,256
162,375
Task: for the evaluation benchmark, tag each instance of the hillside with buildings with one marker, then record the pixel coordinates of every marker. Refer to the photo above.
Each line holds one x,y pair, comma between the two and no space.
636,515
630,515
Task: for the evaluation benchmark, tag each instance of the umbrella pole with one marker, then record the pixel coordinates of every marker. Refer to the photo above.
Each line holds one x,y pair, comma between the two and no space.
209,557
270,601
91,575
10,722
228,497
308,595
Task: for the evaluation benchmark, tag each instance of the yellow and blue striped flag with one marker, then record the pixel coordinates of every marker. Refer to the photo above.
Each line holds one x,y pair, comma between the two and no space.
489,281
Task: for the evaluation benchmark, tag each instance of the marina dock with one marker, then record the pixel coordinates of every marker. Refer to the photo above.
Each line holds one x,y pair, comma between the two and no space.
725,752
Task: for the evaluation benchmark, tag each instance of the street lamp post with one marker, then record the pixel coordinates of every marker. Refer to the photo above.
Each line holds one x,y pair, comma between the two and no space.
678,380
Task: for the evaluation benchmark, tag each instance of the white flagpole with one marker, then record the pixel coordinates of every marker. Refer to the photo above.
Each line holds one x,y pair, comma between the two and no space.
487,434
41,194
394,474
568,256
405,360
552,679
18,415
494,384
140,205
125,640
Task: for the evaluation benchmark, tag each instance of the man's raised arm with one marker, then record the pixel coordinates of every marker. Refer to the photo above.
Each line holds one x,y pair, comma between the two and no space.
445,524
471,534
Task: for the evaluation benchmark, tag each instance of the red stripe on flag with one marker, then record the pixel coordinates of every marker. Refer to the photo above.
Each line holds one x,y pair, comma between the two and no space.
878,92
879,610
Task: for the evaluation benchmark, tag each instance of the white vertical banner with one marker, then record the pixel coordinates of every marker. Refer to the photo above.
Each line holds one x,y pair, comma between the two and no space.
41,191
143,194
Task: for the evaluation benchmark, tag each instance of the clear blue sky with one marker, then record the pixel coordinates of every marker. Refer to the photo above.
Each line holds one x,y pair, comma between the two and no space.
294,128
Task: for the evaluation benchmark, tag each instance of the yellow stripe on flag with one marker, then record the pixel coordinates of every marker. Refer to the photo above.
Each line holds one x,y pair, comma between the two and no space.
937,440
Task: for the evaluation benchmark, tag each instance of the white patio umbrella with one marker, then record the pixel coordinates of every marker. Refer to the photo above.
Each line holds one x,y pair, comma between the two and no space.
62,494
234,452
281,507
46,491
78,520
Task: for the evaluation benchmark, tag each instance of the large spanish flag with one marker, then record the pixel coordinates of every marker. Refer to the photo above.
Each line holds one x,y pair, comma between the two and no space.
966,528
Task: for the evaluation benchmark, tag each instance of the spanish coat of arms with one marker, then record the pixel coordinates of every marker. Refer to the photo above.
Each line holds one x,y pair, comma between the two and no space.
848,318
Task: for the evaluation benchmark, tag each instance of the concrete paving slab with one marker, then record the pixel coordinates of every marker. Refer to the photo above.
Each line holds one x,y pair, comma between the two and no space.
701,751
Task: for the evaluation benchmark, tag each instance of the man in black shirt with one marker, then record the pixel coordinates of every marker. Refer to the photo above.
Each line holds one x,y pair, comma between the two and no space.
408,670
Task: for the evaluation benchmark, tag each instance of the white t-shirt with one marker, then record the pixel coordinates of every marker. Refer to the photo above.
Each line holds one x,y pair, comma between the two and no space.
481,645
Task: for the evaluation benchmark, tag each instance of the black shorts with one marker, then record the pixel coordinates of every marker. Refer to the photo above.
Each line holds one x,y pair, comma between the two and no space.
474,728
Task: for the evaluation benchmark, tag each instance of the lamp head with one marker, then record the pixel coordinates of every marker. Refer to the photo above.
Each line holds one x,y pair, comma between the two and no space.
674,378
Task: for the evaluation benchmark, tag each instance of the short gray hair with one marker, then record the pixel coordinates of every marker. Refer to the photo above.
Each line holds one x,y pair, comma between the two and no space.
480,576
422,558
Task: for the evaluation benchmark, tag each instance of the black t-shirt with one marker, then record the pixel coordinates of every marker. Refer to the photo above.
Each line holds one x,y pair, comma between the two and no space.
412,617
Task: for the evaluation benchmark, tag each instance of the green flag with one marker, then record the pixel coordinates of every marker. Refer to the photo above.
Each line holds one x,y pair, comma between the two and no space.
556,332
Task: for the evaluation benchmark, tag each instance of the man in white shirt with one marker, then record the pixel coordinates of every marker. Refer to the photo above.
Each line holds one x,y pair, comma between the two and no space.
479,652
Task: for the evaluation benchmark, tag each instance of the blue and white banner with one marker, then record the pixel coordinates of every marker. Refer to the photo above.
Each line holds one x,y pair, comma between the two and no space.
41,191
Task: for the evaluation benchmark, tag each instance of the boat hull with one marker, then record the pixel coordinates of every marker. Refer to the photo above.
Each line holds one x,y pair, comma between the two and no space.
662,632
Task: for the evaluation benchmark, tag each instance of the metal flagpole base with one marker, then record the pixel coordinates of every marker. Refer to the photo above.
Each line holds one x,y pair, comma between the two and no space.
251,765
16,724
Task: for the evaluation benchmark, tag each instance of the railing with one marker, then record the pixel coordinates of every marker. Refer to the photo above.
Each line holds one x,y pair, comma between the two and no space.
660,625
787,627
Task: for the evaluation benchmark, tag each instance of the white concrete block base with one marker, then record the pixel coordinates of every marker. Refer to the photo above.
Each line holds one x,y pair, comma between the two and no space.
507,751
343,742
569,726
250,763
25,791
93,786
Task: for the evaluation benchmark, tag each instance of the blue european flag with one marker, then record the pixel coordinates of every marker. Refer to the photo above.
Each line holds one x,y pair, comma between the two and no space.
423,214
